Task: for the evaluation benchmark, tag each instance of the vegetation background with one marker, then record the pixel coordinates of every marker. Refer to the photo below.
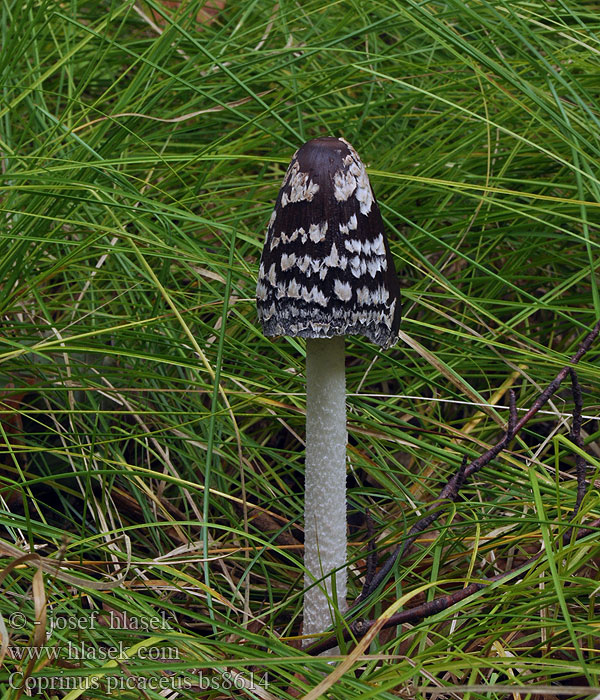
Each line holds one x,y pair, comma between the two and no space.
151,437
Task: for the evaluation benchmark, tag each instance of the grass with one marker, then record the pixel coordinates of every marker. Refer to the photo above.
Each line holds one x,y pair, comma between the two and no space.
151,437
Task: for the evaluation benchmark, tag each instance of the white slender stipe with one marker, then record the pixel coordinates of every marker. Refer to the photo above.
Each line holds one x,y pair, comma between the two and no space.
325,482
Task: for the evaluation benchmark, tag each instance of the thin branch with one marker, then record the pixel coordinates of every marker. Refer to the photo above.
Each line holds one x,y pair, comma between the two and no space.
580,465
556,382
512,414
372,549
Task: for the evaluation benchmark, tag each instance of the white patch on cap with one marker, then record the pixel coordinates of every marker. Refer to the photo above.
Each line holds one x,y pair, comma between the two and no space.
317,232
358,173
377,246
301,187
298,232
350,225
314,296
342,290
363,191
363,295
388,319
261,292
272,219
374,265
267,313
353,245
319,297
303,263
333,259
287,260
358,266
291,171
272,276
344,184
293,289
274,242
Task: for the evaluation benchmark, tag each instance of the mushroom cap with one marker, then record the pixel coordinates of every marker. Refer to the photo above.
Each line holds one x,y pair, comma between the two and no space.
326,267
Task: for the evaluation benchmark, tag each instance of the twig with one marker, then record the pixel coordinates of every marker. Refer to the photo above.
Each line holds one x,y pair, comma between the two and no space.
556,382
512,414
372,549
580,465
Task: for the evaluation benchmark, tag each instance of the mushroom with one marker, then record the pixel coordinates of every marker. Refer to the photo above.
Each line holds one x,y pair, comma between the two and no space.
326,271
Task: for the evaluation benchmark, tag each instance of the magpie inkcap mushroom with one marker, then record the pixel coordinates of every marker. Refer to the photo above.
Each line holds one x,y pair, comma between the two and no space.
326,272
326,267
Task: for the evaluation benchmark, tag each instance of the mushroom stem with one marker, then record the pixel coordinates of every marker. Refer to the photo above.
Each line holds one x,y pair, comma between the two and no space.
325,482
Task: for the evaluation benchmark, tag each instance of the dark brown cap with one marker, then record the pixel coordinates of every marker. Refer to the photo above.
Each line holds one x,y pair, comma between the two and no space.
326,267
